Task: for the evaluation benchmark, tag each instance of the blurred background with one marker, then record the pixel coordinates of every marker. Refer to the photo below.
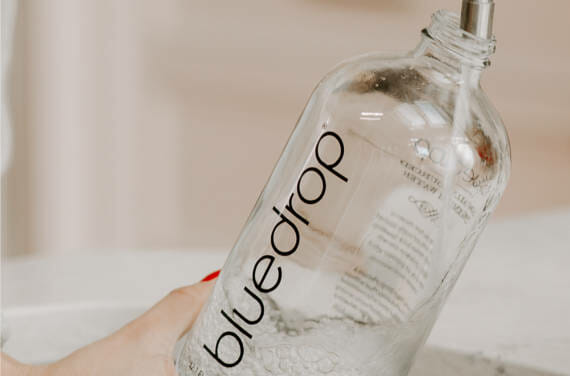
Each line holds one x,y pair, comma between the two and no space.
154,125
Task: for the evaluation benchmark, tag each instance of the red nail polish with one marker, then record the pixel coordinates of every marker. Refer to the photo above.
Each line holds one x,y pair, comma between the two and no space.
211,276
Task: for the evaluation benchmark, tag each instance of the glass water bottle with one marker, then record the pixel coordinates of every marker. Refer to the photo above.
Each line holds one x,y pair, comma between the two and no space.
367,220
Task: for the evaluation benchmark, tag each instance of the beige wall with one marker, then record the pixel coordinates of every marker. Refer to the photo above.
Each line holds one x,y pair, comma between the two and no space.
154,124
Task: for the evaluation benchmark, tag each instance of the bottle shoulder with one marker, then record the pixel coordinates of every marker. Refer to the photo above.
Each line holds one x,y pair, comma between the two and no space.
404,103
417,90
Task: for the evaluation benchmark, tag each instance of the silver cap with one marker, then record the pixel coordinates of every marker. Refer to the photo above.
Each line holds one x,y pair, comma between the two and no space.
477,17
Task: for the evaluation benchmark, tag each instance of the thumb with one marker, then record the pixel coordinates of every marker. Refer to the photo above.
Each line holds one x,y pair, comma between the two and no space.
172,316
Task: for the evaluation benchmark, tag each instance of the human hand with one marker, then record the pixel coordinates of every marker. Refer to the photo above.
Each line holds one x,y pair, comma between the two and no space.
142,347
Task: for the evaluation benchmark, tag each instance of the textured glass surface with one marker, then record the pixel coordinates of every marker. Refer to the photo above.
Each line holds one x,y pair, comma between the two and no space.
368,218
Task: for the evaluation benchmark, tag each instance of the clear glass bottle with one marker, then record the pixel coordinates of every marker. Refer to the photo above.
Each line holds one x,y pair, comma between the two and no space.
368,218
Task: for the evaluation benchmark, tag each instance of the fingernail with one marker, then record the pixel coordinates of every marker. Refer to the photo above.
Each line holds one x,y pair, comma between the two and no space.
211,276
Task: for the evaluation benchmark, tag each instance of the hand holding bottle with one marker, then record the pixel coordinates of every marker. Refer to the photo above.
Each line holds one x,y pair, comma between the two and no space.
143,347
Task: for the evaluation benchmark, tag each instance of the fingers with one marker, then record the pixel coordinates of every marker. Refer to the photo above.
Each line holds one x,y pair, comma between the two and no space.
11,367
144,346
171,317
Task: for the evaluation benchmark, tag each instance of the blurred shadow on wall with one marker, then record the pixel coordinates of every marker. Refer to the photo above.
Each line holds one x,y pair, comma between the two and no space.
16,229
384,5
97,154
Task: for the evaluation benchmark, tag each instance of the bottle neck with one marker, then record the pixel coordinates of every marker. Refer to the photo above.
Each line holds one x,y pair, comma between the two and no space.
457,52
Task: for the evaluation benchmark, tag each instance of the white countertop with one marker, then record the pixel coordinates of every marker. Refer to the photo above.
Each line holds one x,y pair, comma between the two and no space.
510,310
512,301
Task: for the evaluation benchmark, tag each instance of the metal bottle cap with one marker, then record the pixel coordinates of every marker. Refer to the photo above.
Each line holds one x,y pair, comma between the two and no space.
477,17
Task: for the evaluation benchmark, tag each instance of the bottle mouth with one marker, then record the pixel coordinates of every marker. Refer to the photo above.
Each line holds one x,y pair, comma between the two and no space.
445,30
